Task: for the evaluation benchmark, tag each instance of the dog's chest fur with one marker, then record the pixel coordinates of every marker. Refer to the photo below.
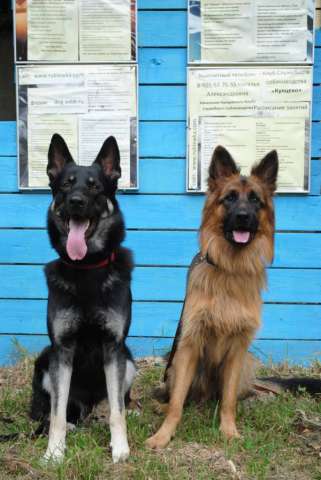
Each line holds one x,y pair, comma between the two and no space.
219,304
87,302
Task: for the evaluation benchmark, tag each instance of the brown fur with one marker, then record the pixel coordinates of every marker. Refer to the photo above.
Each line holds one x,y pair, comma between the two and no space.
222,306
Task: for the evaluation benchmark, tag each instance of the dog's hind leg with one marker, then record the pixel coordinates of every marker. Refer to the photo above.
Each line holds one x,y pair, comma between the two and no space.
184,367
60,370
129,375
115,366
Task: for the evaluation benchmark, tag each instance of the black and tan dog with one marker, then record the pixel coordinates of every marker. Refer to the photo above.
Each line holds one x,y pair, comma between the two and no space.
89,303
222,309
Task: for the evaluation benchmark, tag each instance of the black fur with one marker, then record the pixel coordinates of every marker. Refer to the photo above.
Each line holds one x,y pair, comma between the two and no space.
295,384
89,309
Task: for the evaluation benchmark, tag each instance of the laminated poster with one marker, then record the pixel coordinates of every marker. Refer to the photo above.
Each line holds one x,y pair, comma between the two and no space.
250,111
75,31
266,31
83,103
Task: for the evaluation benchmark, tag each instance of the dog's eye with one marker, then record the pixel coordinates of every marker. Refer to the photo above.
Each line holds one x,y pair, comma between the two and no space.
231,196
253,198
70,180
91,182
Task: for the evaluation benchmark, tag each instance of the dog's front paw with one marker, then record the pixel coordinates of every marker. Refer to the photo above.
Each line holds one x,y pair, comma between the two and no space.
55,455
159,440
120,451
229,431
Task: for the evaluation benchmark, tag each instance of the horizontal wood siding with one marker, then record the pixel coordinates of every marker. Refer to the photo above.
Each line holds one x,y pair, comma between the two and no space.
162,220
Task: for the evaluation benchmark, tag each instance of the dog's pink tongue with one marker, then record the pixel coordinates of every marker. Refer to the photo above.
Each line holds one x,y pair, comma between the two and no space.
76,244
241,237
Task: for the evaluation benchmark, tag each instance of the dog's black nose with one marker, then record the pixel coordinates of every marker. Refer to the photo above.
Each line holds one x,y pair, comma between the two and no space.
77,201
242,217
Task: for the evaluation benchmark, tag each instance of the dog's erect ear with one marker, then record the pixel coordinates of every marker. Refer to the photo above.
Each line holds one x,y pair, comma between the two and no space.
58,156
222,164
267,170
109,159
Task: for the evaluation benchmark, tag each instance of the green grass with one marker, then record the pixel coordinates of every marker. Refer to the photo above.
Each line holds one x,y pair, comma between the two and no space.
274,444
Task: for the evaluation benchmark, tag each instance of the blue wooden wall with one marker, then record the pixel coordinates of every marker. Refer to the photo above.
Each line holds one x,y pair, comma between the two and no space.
162,220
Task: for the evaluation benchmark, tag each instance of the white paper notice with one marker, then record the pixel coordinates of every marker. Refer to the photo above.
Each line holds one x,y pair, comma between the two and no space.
57,100
52,30
112,90
235,134
227,30
281,30
105,30
244,91
250,111
48,75
40,130
92,134
288,137
99,100
250,139
254,30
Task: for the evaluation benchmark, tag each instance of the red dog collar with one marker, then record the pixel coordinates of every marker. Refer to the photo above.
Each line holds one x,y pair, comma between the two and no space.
91,266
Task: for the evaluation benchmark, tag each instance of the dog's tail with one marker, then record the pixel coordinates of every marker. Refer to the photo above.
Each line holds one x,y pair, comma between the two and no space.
293,384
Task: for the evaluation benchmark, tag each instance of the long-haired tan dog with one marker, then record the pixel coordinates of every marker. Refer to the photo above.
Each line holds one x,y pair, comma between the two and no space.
223,301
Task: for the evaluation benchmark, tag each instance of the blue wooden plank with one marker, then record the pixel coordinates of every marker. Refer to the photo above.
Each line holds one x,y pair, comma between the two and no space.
157,175
161,4
33,344
8,138
157,139
166,284
166,248
317,66
316,139
315,177
316,106
162,29
167,139
165,103
8,174
317,40
159,319
160,211
163,175
297,250
315,187
298,352
160,139
169,177
162,65
291,322
28,344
